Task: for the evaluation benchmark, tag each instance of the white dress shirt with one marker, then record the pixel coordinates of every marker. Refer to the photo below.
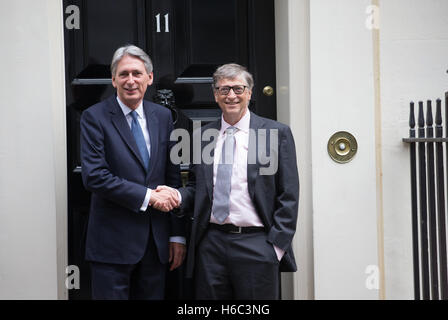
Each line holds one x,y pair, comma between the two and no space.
143,124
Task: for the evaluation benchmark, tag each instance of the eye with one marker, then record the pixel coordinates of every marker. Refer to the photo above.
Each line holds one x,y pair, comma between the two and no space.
224,90
238,89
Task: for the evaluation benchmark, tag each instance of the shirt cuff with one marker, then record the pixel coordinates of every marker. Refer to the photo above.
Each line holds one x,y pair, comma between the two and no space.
279,252
178,240
146,201
179,195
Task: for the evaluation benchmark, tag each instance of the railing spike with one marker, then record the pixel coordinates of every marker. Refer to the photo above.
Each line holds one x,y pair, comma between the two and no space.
412,116
429,120
421,116
439,112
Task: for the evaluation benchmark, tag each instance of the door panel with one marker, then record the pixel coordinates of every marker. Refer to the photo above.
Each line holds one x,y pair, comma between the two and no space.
187,40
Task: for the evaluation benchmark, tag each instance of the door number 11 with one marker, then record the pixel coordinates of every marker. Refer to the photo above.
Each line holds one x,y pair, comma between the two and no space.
167,22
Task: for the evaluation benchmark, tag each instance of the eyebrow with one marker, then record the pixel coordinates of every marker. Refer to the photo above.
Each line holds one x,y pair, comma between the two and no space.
132,71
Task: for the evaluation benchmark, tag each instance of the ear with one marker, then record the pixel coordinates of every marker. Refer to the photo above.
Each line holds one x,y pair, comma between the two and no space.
113,82
150,78
249,93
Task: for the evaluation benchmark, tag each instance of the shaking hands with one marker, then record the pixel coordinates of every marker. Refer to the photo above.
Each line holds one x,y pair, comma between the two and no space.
164,198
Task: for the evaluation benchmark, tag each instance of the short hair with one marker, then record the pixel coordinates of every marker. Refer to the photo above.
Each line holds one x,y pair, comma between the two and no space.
130,50
232,71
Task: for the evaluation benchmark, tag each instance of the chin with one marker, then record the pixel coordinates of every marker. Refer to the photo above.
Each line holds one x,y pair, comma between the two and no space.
233,109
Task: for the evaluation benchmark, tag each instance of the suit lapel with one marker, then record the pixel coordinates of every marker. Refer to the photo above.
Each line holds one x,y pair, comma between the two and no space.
153,128
253,168
122,126
208,168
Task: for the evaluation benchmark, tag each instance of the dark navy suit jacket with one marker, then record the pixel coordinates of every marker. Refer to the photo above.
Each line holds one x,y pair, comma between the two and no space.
113,171
275,196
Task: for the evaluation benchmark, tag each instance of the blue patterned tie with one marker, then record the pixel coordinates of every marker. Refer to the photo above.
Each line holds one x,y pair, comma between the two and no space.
140,139
221,190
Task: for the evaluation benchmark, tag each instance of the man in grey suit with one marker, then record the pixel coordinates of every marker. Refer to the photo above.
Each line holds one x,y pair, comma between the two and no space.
244,198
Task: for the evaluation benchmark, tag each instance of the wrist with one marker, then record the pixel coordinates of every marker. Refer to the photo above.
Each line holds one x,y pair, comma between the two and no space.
153,197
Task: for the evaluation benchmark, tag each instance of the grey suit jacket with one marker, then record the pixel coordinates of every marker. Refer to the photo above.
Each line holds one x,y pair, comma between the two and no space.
275,196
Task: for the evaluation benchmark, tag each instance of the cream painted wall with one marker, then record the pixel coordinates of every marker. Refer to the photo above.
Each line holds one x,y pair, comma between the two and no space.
33,189
344,195
293,108
413,47
414,60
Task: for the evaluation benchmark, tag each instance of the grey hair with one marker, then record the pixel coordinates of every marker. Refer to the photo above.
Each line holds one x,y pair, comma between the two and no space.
232,71
130,50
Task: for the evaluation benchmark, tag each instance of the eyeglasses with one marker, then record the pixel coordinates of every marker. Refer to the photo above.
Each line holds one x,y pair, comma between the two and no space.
226,90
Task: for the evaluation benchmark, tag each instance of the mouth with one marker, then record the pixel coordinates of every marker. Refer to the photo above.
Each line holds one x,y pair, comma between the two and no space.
130,90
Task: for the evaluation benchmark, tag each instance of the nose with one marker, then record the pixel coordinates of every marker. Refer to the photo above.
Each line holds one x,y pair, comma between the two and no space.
130,78
231,94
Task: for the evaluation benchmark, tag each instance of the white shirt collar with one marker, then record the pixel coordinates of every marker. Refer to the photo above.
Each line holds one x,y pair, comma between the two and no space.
242,125
126,110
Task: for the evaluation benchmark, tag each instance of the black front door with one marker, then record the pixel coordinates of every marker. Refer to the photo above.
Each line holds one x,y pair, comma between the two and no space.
187,40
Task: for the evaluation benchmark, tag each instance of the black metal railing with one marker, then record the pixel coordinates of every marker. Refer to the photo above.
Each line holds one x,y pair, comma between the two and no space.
429,196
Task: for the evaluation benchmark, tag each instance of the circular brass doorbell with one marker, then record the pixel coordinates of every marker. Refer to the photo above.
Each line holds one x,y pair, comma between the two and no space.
342,147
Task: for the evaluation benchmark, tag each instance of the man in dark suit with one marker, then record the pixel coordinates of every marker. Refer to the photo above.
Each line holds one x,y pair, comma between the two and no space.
244,198
125,145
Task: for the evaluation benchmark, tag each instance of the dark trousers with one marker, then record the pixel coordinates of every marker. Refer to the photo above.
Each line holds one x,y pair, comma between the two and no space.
236,266
142,281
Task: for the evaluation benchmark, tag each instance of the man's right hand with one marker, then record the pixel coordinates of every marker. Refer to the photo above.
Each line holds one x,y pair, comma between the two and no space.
164,198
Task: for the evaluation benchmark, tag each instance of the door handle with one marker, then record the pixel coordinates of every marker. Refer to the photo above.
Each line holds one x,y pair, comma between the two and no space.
268,91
